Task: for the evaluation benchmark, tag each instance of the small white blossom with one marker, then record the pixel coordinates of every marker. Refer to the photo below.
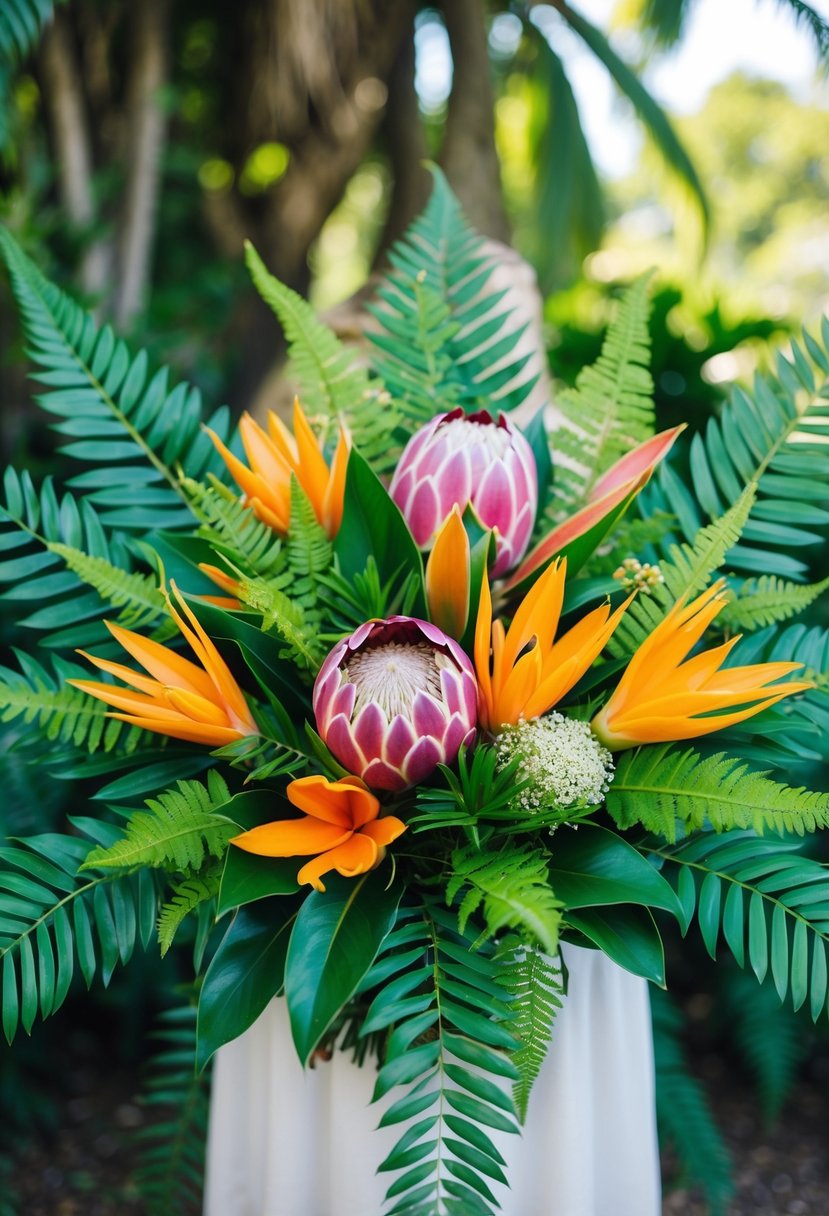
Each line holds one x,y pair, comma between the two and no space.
639,576
562,759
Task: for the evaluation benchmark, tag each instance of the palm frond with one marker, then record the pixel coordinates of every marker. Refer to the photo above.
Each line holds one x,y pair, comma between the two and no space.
52,921
21,24
770,903
447,1023
116,416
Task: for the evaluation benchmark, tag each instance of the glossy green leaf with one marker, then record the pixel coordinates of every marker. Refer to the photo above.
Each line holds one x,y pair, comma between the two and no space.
336,938
595,867
246,971
628,935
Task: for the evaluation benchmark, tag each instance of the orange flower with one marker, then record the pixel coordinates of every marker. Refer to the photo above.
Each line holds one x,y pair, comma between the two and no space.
528,671
274,455
662,691
447,577
340,825
202,704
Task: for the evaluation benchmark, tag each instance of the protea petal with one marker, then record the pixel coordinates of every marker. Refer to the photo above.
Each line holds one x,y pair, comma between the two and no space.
459,460
399,670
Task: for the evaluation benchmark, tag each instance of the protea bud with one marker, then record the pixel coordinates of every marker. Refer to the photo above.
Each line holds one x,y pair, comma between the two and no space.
394,700
459,459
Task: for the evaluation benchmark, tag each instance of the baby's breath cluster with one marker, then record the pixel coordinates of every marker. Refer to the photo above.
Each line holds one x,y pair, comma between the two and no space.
561,758
639,576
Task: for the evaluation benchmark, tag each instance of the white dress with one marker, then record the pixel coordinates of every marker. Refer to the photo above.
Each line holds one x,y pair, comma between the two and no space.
284,1142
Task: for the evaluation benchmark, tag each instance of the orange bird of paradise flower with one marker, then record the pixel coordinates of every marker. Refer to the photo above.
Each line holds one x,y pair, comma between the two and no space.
340,828
200,702
523,671
662,691
274,456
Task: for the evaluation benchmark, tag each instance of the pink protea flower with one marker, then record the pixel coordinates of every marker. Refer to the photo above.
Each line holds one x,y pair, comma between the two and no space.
394,700
457,459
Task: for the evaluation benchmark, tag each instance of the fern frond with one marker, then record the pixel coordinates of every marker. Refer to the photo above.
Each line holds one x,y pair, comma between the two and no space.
658,786
348,602
444,339
683,1112
187,895
333,385
772,434
513,887
309,552
232,529
170,1171
535,985
62,714
283,615
771,904
687,570
52,921
137,595
610,410
177,831
21,24
765,600
132,428
439,1001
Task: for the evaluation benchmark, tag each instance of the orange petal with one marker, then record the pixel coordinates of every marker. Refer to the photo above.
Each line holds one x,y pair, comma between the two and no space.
167,666
311,470
384,831
196,707
483,646
538,613
220,675
355,856
291,837
341,802
126,699
335,494
447,576
135,679
191,732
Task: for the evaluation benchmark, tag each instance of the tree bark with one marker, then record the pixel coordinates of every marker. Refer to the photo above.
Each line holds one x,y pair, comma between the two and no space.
145,146
65,105
468,155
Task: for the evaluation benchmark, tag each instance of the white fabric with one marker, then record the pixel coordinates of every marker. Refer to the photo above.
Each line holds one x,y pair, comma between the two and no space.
284,1142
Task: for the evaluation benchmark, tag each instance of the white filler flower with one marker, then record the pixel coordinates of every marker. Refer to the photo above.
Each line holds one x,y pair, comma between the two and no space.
562,759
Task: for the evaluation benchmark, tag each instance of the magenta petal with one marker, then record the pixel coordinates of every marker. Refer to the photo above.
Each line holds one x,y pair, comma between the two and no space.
428,717
343,700
382,776
423,513
494,501
456,732
398,742
339,739
402,486
369,729
422,760
454,482
325,690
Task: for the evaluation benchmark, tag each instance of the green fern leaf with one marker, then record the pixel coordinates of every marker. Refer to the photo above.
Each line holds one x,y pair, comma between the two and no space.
179,829
309,551
115,415
332,383
535,985
610,410
513,886
233,531
137,595
63,714
187,895
170,1172
52,922
687,571
443,337
765,600
658,786
439,1002
771,905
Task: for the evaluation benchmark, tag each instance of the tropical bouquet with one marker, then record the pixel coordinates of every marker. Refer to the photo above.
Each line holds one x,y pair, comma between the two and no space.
389,703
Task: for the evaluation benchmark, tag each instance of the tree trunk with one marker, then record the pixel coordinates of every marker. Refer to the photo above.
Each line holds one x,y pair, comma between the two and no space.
145,146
